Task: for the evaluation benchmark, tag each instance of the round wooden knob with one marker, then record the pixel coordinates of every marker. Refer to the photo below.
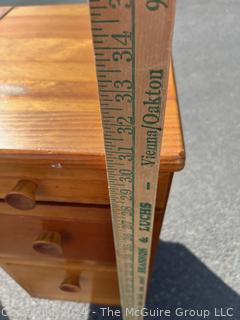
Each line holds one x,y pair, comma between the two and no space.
48,243
71,284
23,195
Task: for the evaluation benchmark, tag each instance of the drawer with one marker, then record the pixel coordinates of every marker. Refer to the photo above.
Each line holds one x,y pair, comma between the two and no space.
64,183
81,284
82,233
65,232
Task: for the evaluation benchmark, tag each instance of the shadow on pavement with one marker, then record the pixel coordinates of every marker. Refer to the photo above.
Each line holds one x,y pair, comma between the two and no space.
181,280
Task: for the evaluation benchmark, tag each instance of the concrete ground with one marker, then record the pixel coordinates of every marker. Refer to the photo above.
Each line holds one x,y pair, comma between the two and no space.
198,261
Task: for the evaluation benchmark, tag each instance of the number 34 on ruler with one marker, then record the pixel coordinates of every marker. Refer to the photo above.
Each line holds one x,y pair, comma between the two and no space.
132,45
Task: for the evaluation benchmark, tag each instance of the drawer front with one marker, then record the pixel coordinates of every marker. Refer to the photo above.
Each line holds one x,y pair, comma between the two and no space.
86,235
61,232
68,184
51,282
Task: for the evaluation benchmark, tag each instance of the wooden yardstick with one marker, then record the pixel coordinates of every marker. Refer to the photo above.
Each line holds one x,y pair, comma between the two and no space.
132,43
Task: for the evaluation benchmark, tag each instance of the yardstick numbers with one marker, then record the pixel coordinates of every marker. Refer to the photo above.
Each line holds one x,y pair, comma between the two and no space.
114,53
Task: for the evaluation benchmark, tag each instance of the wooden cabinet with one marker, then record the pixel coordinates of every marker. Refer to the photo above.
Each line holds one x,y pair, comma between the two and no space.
55,223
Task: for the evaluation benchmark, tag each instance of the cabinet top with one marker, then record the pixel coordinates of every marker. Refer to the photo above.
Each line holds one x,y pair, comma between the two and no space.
48,91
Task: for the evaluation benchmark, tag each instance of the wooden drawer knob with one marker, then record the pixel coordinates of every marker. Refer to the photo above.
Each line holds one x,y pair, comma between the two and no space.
23,195
48,243
71,284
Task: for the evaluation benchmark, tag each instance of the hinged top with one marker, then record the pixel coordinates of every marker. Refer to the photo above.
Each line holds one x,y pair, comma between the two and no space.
48,91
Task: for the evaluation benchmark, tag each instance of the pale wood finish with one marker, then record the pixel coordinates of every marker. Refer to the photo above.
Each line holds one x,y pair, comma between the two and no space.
71,283
61,233
50,121
50,133
22,196
49,243
80,284
78,184
49,102
82,230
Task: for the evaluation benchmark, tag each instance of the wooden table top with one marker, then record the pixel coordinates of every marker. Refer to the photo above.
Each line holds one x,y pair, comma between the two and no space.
48,91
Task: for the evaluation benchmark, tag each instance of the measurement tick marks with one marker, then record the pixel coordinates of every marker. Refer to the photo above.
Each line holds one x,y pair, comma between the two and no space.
131,43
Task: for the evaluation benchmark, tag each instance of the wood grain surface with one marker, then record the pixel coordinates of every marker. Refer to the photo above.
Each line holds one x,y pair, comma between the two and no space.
50,132
70,185
99,287
48,91
85,232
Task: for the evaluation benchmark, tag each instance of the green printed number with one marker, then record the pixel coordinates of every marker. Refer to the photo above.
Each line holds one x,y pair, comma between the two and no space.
124,125
123,97
125,121
123,84
117,3
125,211
125,175
125,194
123,38
125,130
122,55
125,154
